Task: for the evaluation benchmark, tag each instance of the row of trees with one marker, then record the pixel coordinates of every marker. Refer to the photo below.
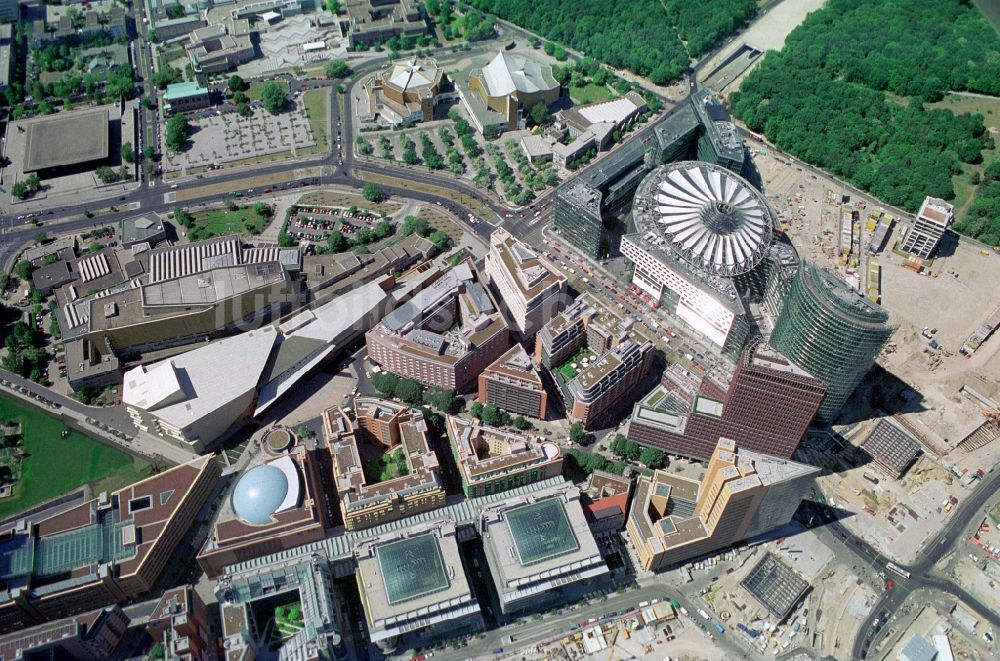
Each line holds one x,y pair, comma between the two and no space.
588,462
337,241
632,451
493,416
825,103
25,351
982,220
413,224
412,392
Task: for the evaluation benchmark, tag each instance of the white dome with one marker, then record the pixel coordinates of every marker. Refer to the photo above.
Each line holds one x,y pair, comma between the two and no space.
710,217
265,490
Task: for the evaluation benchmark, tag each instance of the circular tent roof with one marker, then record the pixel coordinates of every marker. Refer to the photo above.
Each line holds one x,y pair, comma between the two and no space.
710,217
413,73
259,494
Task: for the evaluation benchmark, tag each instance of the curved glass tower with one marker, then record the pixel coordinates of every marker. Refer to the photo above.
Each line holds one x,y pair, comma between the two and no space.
831,331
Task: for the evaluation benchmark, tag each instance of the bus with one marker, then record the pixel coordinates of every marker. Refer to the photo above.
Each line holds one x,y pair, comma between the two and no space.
891,566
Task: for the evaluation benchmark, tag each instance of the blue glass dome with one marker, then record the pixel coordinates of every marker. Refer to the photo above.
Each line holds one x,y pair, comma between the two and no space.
259,494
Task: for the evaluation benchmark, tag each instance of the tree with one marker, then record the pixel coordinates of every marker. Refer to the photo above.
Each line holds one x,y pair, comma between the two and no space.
333,6
336,241
128,155
183,218
652,458
539,113
177,132
410,391
577,434
385,383
491,415
439,239
413,224
165,76
372,192
23,270
106,174
337,69
243,110
40,237
440,398
476,410
273,97
263,210
236,84
148,152
521,423
175,10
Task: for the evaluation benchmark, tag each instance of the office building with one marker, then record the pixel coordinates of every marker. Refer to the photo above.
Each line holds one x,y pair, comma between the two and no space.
219,47
492,460
181,624
675,518
594,359
499,96
277,503
7,59
540,549
186,97
607,382
831,331
918,649
698,129
142,229
933,218
188,400
93,636
107,550
370,494
10,10
247,600
405,91
767,402
413,586
606,515
513,384
445,335
532,290
377,21
698,226
67,143
891,450
89,365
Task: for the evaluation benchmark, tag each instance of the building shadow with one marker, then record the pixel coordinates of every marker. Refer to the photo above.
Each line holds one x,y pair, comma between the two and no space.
947,246
880,394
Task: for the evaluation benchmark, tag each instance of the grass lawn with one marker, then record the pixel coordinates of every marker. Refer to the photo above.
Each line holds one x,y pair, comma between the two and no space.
254,92
590,93
995,515
220,222
316,103
54,465
567,371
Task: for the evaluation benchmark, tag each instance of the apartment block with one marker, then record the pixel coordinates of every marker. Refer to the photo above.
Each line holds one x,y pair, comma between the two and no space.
445,335
492,460
180,623
93,636
364,500
608,380
675,518
513,384
529,285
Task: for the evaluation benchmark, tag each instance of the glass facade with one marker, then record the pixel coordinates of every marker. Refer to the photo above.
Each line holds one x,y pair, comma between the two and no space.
831,331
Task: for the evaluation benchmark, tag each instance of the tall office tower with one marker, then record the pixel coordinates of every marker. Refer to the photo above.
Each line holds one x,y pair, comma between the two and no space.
697,227
768,404
742,494
831,331
932,220
531,288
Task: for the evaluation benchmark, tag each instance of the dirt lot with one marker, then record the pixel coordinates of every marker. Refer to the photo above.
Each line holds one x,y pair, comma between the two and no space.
955,302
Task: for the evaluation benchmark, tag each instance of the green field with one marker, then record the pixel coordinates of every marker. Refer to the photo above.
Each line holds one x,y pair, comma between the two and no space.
590,93
54,465
220,222
316,102
254,92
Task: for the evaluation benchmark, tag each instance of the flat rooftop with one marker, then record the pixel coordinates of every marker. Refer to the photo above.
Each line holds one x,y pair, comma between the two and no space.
67,139
775,585
541,531
412,568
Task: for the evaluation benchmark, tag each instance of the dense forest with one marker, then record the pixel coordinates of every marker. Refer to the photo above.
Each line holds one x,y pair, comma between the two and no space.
983,218
824,98
643,36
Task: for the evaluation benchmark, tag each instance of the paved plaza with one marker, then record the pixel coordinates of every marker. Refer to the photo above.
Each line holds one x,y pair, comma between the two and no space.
228,138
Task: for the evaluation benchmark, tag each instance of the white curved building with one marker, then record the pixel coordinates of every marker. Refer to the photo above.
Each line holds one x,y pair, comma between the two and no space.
697,226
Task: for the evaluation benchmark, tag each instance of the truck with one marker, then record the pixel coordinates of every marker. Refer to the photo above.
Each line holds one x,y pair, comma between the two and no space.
720,628
868,475
683,611
704,615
